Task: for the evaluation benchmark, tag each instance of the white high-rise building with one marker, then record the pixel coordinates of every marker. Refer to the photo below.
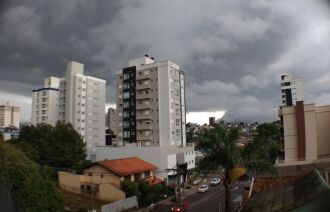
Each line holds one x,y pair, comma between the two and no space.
76,99
45,102
9,116
292,90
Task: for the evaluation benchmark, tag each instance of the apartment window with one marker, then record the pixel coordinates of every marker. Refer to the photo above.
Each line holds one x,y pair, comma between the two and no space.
126,104
43,105
126,86
140,73
126,123
126,95
147,122
146,73
140,82
126,76
127,134
146,82
44,93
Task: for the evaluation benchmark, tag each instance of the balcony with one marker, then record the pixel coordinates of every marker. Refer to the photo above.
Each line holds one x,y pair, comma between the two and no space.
143,137
143,96
143,127
142,86
142,116
142,76
143,106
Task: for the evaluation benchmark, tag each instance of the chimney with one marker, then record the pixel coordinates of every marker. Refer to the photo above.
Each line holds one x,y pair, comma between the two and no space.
146,55
152,58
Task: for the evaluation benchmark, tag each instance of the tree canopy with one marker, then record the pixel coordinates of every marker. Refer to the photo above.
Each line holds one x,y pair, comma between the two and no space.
60,146
222,152
28,185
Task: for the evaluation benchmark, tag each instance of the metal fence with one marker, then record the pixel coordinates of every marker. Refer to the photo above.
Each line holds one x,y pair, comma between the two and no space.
121,205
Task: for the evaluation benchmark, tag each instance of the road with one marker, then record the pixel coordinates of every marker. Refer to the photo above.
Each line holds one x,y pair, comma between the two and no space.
208,201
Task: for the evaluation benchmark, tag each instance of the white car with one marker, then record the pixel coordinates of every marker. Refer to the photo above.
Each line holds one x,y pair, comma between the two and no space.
215,181
203,188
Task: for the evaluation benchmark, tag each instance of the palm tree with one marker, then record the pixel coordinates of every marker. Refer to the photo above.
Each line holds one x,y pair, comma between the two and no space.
222,152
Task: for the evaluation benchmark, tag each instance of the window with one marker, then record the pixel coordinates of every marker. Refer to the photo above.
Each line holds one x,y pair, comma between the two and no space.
126,95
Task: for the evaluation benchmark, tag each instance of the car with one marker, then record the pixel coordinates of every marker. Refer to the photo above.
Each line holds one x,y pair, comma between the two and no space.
203,188
176,208
215,181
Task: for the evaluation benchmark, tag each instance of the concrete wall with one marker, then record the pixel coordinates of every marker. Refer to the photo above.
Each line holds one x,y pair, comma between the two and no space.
323,130
107,191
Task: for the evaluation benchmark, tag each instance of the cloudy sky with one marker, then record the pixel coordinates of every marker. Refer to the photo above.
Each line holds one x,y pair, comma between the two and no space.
233,52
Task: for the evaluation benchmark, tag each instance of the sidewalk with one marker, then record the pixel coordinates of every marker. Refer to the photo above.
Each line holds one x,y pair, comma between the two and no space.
166,202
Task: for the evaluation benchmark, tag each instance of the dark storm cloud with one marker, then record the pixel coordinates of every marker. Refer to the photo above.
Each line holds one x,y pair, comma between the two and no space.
233,53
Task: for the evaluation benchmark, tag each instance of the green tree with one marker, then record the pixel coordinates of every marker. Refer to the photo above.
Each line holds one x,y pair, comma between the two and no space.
130,188
267,138
223,153
60,146
29,187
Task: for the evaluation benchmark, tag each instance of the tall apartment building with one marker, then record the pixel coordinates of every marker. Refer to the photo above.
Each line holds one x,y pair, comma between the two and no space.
77,99
112,120
151,104
9,115
45,102
292,90
151,116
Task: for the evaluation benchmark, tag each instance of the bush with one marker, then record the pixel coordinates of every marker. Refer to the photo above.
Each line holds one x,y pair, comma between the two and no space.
130,188
29,187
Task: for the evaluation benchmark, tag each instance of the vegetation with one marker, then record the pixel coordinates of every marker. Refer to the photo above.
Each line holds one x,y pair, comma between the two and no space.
28,185
145,193
60,146
130,188
1,137
222,152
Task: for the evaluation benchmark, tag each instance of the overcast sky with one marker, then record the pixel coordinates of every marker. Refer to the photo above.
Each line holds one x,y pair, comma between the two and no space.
233,52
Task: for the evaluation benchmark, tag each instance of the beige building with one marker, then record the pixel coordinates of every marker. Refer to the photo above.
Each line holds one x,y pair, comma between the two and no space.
102,179
151,104
305,132
9,115
112,119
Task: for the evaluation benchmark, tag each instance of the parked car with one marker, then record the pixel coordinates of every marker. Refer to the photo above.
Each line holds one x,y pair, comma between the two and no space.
196,181
203,188
215,181
176,208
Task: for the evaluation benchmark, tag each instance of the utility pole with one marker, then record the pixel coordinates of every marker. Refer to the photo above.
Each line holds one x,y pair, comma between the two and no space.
179,184
179,170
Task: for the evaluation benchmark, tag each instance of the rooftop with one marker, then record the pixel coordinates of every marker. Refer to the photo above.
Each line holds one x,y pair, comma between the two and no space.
307,193
126,166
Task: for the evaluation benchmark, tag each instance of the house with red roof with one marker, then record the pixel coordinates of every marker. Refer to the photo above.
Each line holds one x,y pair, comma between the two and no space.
102,179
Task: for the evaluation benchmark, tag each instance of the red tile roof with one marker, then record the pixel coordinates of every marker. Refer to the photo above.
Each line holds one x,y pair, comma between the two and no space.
153,180
127,166
265,183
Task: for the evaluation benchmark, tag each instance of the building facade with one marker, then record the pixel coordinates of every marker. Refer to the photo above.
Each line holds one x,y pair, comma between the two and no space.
151,116
77,99
45,102
304,132
9,116
292,90
151,104
112,120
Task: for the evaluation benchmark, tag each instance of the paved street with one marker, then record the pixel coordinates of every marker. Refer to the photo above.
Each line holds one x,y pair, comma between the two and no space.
208,201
